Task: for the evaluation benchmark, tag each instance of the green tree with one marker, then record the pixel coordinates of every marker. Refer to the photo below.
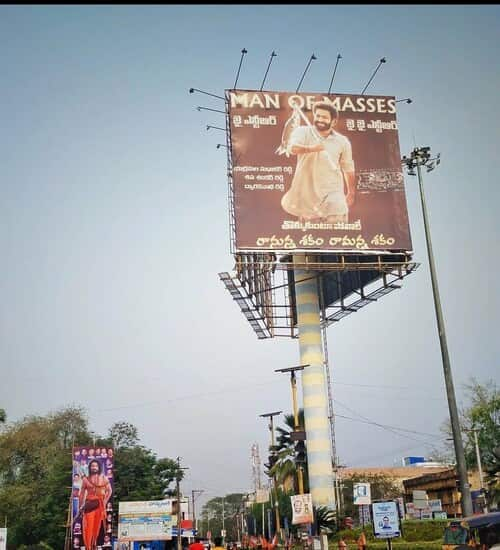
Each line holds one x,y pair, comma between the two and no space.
123,435
231,505
139,474
326,520
285,467
35,466
481,414
35,472
3,416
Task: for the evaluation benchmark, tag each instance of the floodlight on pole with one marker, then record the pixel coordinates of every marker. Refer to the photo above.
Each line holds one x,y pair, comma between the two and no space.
421,156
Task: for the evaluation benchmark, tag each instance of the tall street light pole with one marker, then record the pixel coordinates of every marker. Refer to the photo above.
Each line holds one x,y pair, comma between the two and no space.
296,425
420,156
271,416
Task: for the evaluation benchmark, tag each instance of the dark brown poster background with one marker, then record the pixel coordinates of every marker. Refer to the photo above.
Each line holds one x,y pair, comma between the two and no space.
378,219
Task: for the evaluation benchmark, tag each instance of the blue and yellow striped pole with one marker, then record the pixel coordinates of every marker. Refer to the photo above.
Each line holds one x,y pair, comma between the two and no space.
314,388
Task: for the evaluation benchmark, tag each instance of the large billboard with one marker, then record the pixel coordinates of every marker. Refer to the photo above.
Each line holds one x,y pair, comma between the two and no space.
92,498
313,171
146,520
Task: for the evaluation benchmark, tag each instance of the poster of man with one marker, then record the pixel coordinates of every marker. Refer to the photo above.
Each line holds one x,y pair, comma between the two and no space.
386,519
302,509
361,494
314,171
92,499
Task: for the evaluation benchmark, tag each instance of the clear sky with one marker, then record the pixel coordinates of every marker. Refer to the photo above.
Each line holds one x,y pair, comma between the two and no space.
113,209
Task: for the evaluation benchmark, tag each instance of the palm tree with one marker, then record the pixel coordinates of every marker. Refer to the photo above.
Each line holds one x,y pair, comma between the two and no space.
326,520
285,468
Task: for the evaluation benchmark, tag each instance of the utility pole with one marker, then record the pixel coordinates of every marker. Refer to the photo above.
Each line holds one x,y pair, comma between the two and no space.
178,492
199,491
273,477
296,425
223,525
420,156
479,467
478,457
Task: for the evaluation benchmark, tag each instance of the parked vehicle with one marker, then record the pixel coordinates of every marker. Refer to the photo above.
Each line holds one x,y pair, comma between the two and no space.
481,532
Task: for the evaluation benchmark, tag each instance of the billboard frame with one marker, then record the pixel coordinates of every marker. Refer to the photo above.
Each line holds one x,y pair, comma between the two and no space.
235,250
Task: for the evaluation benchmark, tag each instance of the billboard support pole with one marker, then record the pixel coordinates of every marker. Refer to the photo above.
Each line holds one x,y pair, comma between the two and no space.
314,390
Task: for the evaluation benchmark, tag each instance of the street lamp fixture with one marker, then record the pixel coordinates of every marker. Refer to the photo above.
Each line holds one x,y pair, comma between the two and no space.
296,426
419,157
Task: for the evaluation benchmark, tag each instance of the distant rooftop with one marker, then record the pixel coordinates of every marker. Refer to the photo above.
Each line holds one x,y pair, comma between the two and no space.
398,472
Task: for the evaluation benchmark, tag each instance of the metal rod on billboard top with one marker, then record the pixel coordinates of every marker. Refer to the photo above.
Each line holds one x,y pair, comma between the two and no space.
208,109
273,54
219,145
305,71
406,100
216,128
243,52
383,60
192,90
334,71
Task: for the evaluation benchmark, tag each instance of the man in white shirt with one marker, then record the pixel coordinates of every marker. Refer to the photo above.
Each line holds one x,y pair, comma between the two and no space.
323,186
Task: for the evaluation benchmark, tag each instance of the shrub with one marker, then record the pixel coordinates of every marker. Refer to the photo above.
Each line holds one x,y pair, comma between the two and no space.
424,530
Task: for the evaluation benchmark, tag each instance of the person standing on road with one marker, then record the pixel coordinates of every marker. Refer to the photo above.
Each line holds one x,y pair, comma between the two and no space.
218,543
197,544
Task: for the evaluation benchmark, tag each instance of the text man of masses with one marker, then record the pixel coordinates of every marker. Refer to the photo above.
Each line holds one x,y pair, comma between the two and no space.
323,186
94,496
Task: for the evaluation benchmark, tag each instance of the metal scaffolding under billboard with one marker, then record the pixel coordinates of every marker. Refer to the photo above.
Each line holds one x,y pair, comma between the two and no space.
263,286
